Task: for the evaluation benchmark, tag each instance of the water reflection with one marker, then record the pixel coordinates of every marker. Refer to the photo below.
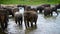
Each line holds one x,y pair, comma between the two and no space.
30,29
21,27
45,25
2,32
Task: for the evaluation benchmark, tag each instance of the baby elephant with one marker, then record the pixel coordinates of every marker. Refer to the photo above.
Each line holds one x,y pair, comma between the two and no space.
18,18
30,17
47,11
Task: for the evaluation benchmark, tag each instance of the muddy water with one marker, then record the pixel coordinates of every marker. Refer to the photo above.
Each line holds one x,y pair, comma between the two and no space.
45,25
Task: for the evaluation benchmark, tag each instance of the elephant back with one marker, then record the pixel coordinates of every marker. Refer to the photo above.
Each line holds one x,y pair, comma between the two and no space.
30,15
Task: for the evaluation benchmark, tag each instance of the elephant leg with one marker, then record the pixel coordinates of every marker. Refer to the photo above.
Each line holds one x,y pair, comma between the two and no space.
16,21
28,23
19,22
35,22
25,23
31,23
8,19
13,15
45,14
6,24
56,12
48,14
2,27
51,13
40,11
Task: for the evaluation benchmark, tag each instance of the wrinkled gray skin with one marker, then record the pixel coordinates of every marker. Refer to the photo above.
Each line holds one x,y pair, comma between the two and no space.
18,18
30,16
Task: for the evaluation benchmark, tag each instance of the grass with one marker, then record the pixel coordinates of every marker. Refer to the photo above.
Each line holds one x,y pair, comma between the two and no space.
29,2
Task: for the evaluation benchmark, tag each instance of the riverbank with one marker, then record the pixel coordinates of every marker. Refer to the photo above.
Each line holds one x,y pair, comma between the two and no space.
29,2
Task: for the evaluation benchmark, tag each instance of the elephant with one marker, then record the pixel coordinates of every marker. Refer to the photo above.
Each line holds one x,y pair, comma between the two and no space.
46,5
21,6
49,11
18,18
27,8
15,9
24,6
3,19
57,6
12,10
30,16
40,8
9,9
34,9
54,9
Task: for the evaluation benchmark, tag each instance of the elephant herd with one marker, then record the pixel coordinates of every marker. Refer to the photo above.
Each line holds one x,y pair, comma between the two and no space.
30,15
48,9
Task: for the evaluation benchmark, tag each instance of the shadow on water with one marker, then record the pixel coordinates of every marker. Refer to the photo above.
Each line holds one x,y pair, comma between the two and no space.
50,17
2,32
30,29
21,27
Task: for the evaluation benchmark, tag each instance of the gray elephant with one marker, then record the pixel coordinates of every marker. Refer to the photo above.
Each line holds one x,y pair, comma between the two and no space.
30,16
11,10
18,18
40,8
54,9
49,11
57,6
27,8
3,18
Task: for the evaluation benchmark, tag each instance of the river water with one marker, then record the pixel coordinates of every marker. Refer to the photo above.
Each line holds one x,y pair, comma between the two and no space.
45,25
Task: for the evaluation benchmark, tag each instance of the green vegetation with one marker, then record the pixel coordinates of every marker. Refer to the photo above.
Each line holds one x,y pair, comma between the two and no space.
29,2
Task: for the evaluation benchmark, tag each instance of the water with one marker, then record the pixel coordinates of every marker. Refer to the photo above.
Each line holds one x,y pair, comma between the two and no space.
45,25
